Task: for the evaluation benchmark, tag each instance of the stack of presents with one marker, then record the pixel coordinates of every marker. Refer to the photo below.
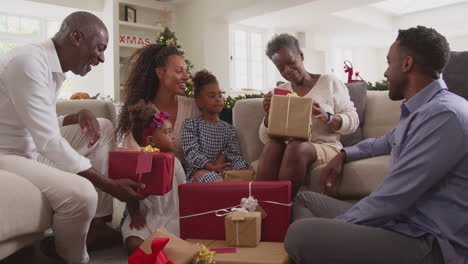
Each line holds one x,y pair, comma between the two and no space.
235,221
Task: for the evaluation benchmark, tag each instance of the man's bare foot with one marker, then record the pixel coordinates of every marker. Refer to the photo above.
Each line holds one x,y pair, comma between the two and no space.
102,236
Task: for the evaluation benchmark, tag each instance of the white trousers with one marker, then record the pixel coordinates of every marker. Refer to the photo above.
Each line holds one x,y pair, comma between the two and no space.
73,199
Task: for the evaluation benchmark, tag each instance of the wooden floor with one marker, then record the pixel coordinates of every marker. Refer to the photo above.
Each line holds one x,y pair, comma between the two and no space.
32,255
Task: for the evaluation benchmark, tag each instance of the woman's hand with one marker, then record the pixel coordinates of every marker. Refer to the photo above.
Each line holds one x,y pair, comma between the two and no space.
266,106
322,116
266,102
137,222
319,113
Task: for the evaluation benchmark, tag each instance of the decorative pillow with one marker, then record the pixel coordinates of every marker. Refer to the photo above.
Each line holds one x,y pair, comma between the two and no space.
357,93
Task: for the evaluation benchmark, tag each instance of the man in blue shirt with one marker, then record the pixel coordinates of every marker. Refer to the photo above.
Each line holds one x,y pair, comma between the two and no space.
419,213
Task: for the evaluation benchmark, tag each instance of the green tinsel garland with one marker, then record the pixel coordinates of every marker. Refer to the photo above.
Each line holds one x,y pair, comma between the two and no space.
378,86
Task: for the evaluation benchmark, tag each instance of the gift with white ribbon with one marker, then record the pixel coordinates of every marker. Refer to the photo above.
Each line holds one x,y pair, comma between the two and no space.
204,205
243,228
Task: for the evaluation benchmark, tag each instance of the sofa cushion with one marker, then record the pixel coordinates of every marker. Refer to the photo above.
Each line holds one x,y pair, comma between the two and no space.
357,93
28,214
455,73
382,114
247,115
361,178
99,108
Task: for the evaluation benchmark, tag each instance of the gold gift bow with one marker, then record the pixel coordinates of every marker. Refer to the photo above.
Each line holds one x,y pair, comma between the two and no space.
147,149
205,256
227,210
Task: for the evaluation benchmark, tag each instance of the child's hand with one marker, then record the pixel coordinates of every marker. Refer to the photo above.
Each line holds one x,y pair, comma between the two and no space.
198,174
220,159
137,222
217,167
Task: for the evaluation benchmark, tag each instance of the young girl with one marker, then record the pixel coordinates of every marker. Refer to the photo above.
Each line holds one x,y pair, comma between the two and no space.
210,145
152,128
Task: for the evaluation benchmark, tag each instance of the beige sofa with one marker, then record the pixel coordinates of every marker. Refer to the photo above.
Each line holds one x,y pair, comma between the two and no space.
360,177
24,212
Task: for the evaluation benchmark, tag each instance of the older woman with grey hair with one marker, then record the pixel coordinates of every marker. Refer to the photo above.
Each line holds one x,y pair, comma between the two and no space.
333,115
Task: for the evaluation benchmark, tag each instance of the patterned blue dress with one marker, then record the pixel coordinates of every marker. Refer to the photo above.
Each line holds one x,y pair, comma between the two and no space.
203,142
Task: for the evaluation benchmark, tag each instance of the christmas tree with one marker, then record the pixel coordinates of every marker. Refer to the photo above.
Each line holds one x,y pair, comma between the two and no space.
167,37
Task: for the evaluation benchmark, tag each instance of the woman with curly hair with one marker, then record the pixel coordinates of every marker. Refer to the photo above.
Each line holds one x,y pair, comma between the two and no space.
158,76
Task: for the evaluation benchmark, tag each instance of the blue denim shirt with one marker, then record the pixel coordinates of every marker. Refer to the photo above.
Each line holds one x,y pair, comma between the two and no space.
426,190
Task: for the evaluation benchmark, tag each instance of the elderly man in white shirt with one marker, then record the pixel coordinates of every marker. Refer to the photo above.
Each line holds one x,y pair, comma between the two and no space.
66,158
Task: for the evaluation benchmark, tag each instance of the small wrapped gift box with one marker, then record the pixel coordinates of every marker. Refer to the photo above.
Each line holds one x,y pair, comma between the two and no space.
239,175
243,229
202,207
154,169
265,252
290,117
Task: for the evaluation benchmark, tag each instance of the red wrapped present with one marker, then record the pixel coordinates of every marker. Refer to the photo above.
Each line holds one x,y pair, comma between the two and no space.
156,256
202,207
278,91
154,169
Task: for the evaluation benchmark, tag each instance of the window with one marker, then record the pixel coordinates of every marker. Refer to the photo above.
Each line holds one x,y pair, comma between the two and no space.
249,65
18,30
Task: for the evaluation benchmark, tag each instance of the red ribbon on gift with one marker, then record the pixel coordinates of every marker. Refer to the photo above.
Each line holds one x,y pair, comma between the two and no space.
157,255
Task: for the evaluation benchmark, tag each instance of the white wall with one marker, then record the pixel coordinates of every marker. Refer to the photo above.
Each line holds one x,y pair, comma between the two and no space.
90,5
202,27
205,37
325,52
107,69
459,43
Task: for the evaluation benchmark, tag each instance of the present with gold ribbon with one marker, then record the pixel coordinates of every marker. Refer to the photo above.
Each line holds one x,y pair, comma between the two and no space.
149,166
290,116
243,229
205,255
265,252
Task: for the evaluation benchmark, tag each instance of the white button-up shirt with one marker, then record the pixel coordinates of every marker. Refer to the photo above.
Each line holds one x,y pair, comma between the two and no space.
30,79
